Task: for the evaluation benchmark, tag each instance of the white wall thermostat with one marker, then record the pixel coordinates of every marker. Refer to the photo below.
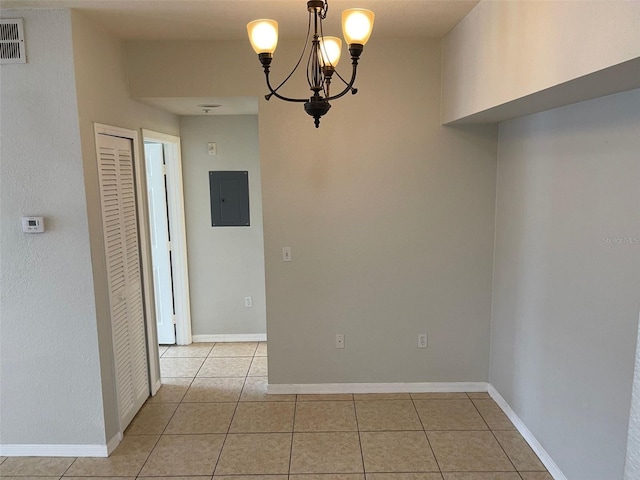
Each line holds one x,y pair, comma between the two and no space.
32,224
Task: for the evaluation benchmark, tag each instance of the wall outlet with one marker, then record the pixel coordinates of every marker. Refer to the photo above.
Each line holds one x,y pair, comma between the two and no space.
340,340
248,302
422,340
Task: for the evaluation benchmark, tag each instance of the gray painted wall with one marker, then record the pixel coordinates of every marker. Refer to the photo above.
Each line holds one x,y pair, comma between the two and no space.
49,363
226,264
567,279
103,97
390,216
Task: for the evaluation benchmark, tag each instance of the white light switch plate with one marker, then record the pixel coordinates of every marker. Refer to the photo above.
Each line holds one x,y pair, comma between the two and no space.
286,254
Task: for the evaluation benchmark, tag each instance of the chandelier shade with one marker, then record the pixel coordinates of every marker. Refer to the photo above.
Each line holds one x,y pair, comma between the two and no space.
357,24
324,53
263,35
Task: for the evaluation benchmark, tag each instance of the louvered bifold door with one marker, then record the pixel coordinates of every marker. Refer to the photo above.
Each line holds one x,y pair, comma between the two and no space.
120,226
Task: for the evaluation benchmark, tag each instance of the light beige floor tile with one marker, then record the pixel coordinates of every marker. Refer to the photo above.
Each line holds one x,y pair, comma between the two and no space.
171,391
250,477
100,478
321,397
184,455
387,415
478,395
52,478
255,390
262,350
225,367
2,459
152,418
35,466
325,417
326,453
437,395
180,367
404,476
449,414
234,349
201,418
493,414
258,453
382,396
125,461
263,417
328,476
211,389
519,451
481,476
198,477
468,452
162,349
397,452
195,350
258,367
536,476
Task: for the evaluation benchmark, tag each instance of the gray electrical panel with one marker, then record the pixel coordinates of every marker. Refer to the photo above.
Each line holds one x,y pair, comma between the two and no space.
229,192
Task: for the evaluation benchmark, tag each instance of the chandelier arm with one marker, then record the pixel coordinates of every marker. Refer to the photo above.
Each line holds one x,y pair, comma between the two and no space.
304,49
276,94
349,86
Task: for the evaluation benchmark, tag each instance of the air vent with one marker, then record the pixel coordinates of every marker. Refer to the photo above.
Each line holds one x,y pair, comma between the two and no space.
12,48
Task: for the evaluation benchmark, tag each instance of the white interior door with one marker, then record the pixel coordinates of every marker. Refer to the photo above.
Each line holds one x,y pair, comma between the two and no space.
160,244
121,238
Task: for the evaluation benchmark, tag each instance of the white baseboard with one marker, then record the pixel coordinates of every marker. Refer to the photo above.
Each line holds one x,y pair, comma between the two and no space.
233,337
329,388
57,450
542,454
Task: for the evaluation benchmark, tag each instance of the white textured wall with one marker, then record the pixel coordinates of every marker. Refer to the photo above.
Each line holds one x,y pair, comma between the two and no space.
389,215
566,293
226,264
632,464
506,50
49,363
103,97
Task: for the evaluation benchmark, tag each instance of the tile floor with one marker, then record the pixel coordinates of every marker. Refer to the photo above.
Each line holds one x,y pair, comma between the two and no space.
212,417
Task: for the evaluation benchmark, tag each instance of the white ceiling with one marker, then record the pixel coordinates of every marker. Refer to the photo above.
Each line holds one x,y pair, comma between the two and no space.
227,19
216,20
198,105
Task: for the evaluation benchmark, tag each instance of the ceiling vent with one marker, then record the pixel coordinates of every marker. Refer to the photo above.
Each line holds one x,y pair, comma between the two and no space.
12,49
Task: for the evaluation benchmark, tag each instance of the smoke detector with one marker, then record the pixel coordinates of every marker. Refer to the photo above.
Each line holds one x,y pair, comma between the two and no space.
206,108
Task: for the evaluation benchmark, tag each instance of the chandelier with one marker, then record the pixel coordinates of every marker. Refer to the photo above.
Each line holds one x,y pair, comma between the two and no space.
324,54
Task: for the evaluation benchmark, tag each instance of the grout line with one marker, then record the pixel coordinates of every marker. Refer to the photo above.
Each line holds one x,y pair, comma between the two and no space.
494,436
355,412
293,429
228,429
426,436
65,472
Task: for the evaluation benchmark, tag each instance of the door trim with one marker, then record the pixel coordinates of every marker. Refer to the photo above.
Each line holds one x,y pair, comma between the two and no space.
177,228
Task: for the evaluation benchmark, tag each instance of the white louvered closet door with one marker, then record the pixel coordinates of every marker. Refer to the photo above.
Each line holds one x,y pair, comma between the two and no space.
120,227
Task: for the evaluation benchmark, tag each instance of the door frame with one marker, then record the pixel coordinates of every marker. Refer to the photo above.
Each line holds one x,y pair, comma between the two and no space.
153,358
177,229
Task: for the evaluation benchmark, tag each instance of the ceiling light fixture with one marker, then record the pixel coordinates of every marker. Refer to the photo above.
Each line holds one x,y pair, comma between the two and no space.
324,54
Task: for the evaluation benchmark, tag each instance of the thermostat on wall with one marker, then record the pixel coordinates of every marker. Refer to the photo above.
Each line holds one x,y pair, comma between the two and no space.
32,224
